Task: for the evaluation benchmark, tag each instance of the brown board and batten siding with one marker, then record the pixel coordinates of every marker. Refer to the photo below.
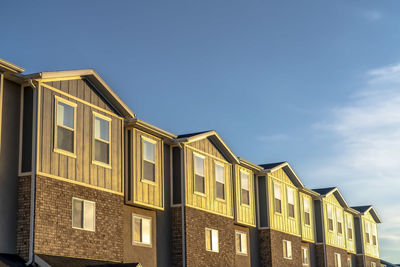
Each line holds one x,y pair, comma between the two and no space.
145,193
80,168
208,201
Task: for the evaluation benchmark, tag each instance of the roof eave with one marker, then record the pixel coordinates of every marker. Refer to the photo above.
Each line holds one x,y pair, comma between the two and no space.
8,67
249,164
137,123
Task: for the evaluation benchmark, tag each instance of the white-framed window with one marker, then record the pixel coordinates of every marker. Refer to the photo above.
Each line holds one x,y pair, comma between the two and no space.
349,264
219,181
245,188
373,264
367,232
241,242
307,211
277,198
199,177
212,240
141,230
329,210
304,256
374,238
287,249
350,227
339,220
149,159
338,260
65,125
83,214
290,200
101,139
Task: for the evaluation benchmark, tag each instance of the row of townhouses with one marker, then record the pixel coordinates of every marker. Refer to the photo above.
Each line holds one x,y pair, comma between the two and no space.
84,182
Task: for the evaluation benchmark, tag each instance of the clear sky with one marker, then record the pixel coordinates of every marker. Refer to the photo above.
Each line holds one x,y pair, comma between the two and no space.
315,83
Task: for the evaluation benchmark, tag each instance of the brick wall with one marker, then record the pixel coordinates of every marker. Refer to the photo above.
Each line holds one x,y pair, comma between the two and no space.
330,255
176,229
54,234
23,215
367,262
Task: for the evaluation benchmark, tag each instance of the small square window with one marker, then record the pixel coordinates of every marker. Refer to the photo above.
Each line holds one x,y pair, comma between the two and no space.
287,249
141,230
212,240
241,242
304,256
83,214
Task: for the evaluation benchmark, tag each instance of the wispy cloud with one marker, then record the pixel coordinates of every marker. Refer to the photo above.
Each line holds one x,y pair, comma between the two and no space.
372,15
365,155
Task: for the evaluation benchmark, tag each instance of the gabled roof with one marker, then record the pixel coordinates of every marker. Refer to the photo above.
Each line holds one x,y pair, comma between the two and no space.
147,127
213,136
6,66
325,192
369,208
249,164
271,167
92,77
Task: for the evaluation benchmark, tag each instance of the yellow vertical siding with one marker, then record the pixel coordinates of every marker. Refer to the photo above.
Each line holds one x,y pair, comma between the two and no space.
245,214
333,238
350,243
307,231
370,249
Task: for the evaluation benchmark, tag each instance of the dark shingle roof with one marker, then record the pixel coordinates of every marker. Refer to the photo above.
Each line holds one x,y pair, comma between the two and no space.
323,191
268,166
361,209
192,134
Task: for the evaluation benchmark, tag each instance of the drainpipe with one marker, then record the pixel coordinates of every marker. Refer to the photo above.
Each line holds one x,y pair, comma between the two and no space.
1,102
183,200
323,231
33,168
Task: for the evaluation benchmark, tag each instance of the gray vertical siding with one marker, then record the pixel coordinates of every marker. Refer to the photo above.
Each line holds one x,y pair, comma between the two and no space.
318,221
263,205
9,166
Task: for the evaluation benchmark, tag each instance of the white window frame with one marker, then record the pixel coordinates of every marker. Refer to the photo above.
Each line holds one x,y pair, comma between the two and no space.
307,200
57,100
287,246
142,217
373,264
290,189
329,207
338,260
108,119
224,183
276,185
242,188
241,235
305,261
339,220
349,227
83,214
154,142
204,174
368,231
374,234
349,263
212,231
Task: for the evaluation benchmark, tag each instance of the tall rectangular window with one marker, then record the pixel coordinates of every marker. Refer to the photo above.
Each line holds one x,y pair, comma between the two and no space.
338,260
290,199
241,242
212,240
141,230
65,121
83,214
287,249
330,217
374,238
149,160
277,198
304,256
307,213
220,181
199,178
349,262
367,232
339,220
349,227
101,139
373,264
245,189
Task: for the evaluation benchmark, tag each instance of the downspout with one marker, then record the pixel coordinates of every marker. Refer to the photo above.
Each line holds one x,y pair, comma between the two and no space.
33,168
183,200
323,232
1,103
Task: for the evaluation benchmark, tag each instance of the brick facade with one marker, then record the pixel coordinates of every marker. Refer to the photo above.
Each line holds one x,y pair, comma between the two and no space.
366,261
176,229
330,255
23,216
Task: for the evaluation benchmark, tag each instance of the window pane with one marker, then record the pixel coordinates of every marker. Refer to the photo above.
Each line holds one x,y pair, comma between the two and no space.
307,218
291,210
65,139
285,253
89,215
290,193
277,191
289,249
65,115
102,129
77,212
245,197
149,151
243,243
244,181
278,205
199,184
146,231
214,239
208,239
199,165
219,173
149,171
220,190
102,152
306,202
137,229
238,242
329,211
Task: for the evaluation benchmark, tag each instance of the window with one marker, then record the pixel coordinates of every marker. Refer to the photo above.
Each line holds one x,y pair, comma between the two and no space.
65,126
290,199
339,221
367,232
148,160
338,260
199,180
83,214
349,262
287,249
373,264
241,242
277,197
141,230
101,139
349,228
307,214
330,217
304,256
220,181
245,189
211,240
374,239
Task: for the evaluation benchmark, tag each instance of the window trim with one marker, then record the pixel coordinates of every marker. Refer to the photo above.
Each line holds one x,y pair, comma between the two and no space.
83,217
349,228
302,258
285,242
141,244
289,188
215,180
241,188
74,105
339,262
94,161
195,154
349,261
339,211
147,139
205,240
241,233
306,199
369,231
327,217
280,193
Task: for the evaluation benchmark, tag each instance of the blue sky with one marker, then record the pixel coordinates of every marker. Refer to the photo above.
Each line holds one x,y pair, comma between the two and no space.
316,83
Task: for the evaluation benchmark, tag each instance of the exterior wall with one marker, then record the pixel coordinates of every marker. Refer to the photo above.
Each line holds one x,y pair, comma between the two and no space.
333,238
365,261
245,214
146,255
350,242
326,252
282,221
271,249
144,193
79,167
370,249
54,234
177,237
208,201
307,231
23,216
9,112
240,259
